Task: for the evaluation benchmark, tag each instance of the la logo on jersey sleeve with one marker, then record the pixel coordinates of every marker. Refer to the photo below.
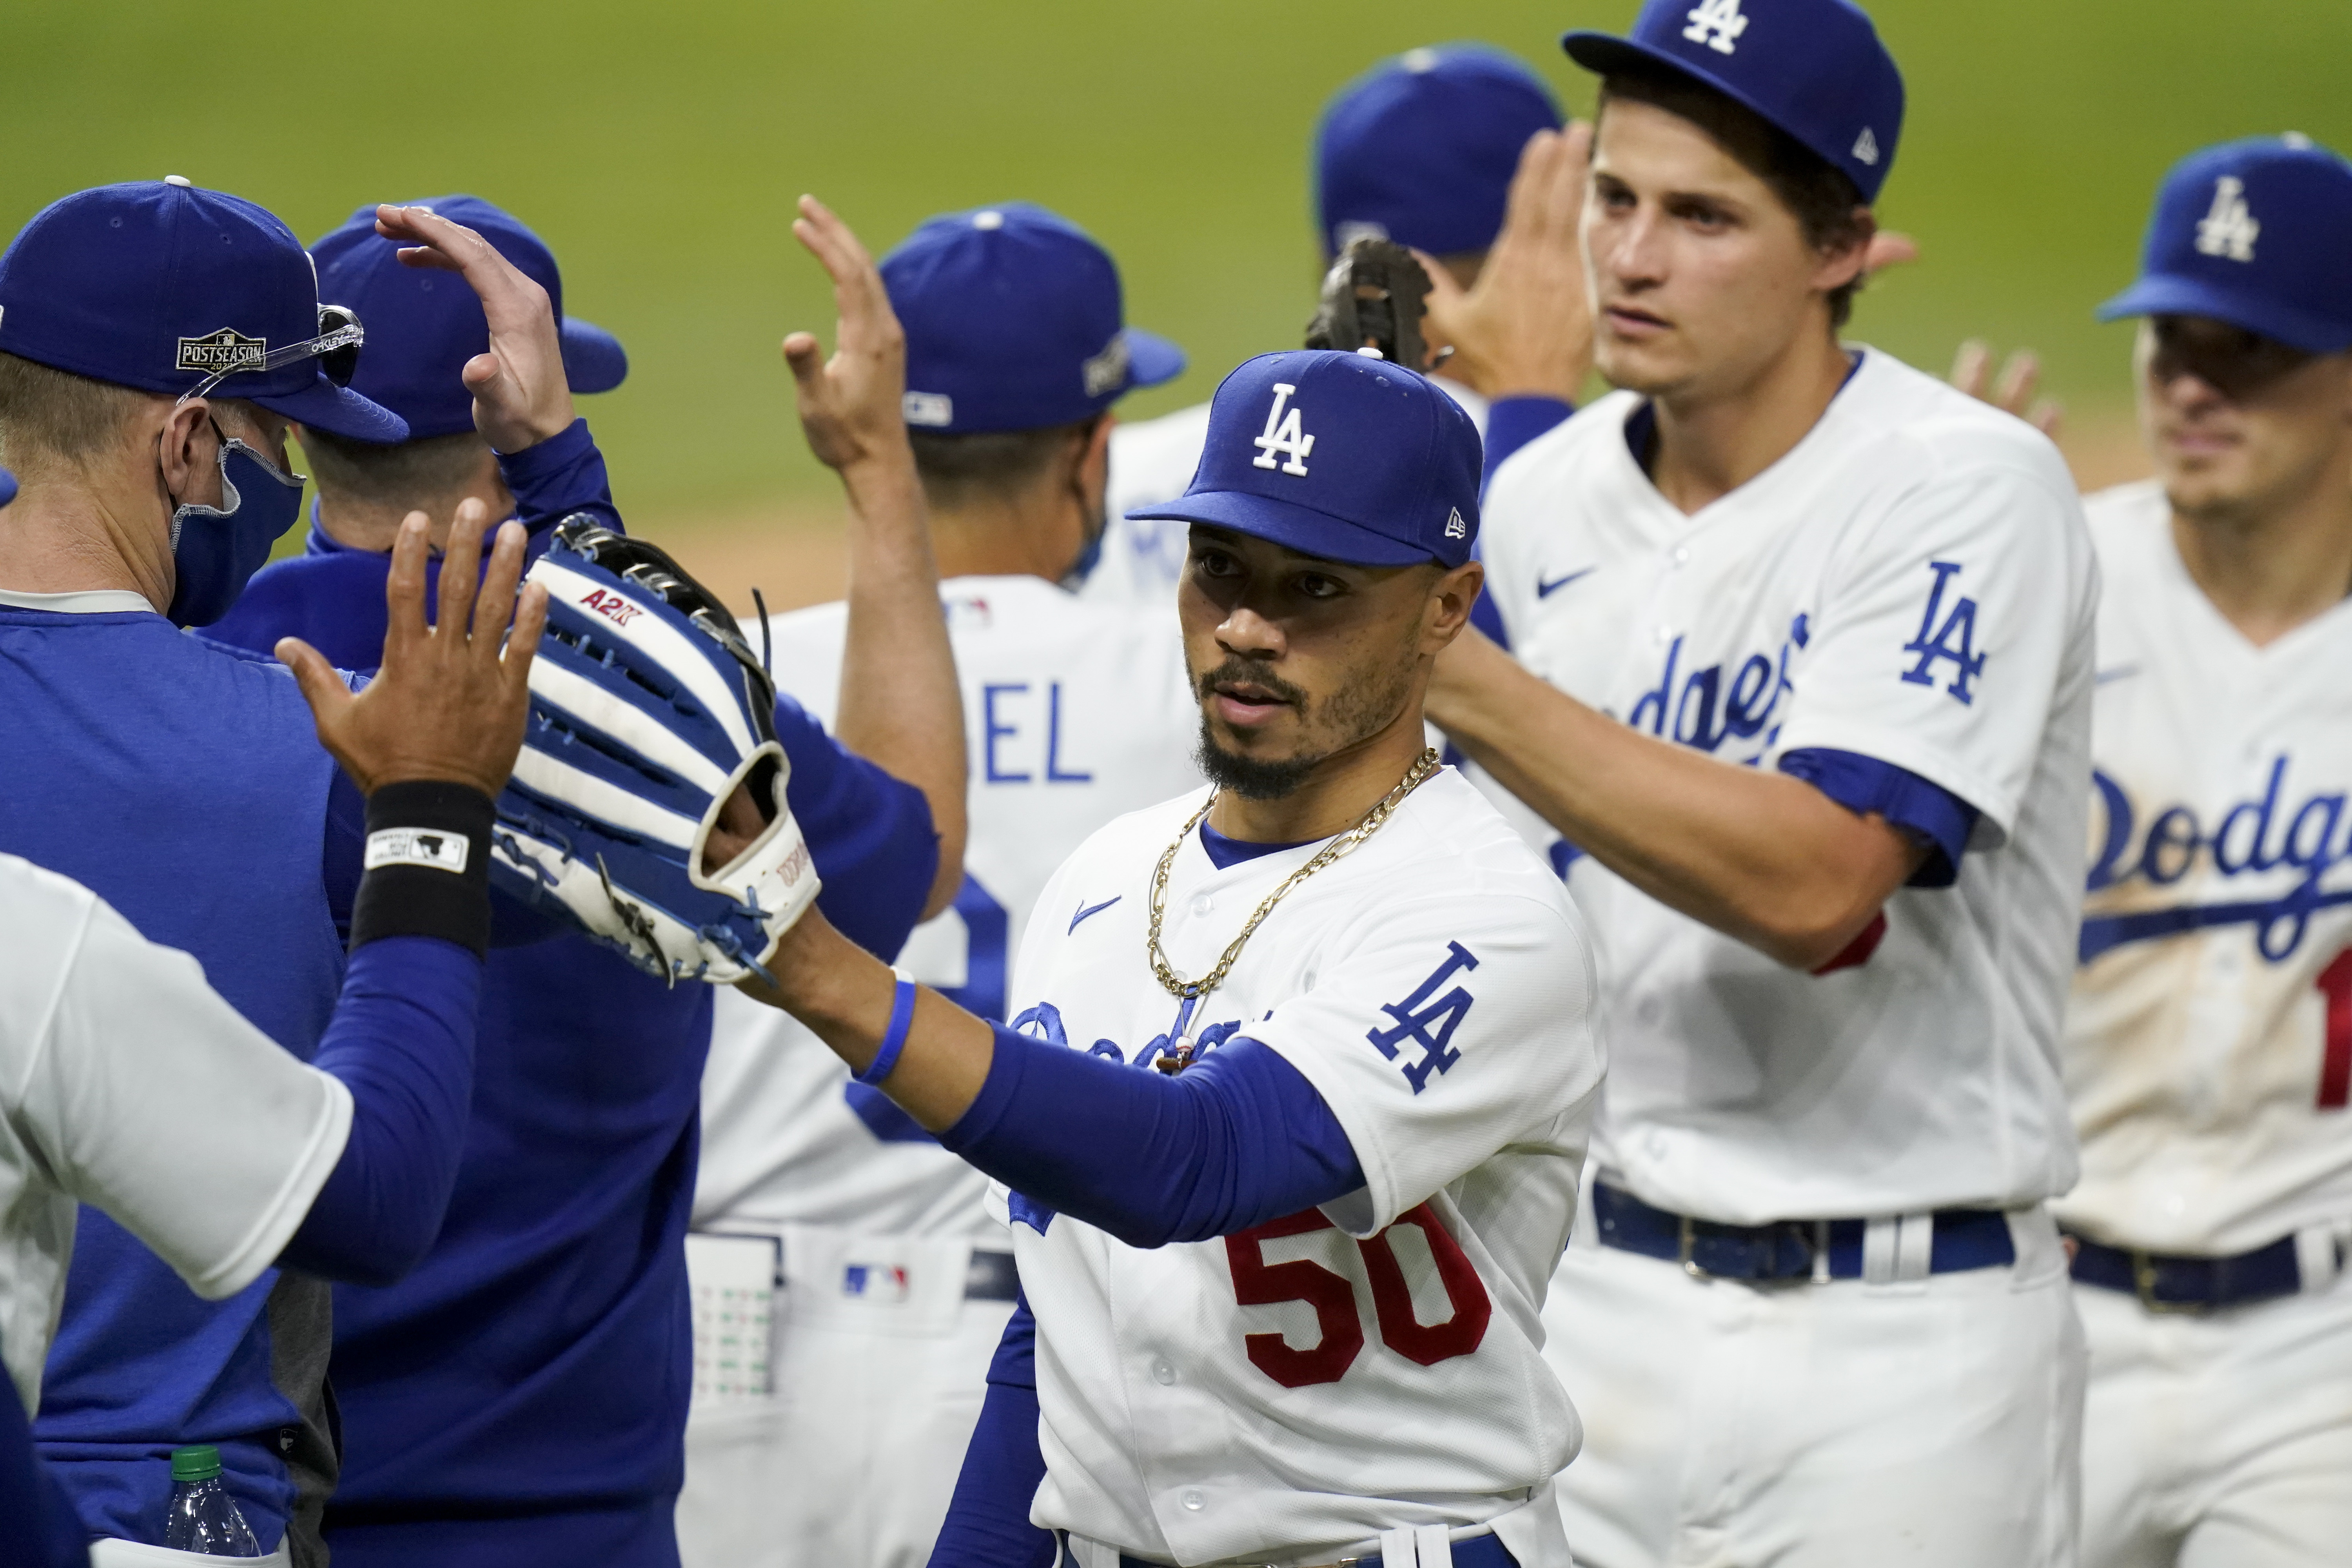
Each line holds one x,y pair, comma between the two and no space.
1952,638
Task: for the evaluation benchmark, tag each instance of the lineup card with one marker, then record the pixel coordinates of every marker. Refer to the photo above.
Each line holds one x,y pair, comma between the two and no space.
733,1281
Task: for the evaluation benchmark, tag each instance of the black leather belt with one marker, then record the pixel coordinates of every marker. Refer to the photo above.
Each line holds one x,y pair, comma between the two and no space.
2173,1282
1788,1249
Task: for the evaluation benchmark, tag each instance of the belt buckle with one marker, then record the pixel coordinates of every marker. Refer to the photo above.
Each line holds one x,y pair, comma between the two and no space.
1689,1242
2143,1267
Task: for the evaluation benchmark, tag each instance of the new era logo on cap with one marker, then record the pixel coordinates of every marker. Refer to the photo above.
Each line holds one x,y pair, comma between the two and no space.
226,349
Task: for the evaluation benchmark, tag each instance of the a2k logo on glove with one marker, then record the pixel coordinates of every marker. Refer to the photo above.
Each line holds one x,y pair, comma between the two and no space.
1428,1024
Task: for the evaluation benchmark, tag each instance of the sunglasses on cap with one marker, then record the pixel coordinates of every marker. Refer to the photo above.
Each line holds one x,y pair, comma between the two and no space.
336,348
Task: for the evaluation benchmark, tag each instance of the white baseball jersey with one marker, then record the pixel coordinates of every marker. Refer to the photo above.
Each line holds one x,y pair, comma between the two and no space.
127,1083
1152,461
2210,1044
1073,713
1911,584
1298,1388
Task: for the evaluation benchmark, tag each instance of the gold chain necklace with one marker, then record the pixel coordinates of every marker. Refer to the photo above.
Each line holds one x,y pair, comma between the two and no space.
1193,991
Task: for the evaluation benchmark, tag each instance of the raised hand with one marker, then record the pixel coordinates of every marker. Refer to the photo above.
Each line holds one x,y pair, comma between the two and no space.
1526,325
2012,392
451,698
520,395
852,406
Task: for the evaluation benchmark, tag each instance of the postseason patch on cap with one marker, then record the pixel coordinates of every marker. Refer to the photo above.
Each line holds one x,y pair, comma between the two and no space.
225,349
427,848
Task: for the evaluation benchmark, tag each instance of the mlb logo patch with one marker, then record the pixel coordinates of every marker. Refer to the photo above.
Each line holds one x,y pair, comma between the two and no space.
884,1282
226,349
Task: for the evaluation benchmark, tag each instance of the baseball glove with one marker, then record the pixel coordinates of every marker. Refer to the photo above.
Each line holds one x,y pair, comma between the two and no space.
1373,299
647,712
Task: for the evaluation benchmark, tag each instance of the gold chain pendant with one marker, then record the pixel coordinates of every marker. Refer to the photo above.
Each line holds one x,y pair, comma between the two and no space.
1179,1055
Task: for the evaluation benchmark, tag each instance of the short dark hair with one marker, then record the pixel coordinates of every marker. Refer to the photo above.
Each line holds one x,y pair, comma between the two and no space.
957,469
46,413
405,474
1821,195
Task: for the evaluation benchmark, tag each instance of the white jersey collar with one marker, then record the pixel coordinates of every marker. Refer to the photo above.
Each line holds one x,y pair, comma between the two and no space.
82,602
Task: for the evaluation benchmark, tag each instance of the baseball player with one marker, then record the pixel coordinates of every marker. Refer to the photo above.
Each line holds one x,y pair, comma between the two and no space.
1819,1312
1422,149
520,1396
1280,1294
2209,1044
897,1282
128,1084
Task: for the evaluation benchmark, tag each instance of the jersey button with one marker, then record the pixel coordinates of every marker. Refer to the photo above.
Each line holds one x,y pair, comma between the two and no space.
1194,1502
1682,555
1203,904
1162,1374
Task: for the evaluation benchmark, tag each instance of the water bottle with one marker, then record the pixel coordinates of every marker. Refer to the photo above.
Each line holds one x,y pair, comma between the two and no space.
204,1517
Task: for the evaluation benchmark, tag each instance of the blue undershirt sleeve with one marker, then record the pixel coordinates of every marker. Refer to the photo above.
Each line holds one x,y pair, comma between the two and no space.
1513,422
562,475
402,1041
869,833
42,1528
1929,812
1237,1139
988,1518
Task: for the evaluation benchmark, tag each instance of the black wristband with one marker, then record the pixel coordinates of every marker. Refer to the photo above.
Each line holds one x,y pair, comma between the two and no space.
428,865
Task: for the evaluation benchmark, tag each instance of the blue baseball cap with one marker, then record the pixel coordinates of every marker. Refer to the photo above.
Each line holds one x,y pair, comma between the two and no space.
1421,149
1014,321
1813,67
160,285
2255,233
7,487
423,324
1339,456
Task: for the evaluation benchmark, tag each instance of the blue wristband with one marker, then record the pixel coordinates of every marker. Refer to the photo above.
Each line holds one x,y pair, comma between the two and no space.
902,1019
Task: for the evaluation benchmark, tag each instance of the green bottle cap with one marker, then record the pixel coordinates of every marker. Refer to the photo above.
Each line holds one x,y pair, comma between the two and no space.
201,1463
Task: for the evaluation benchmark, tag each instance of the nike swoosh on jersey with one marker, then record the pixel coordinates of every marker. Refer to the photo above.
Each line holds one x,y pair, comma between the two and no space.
1546,590
1084,911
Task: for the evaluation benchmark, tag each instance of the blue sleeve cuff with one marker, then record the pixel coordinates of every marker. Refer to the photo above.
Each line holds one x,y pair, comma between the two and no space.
1513,422
562,475
1237,1139
1927,810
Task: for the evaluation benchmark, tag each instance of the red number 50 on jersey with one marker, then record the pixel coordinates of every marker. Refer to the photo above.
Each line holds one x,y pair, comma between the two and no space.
1341,1337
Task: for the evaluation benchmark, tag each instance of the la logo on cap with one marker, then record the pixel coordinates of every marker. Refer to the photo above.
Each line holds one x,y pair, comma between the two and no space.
1717,24
1282,434
225,350
2230,227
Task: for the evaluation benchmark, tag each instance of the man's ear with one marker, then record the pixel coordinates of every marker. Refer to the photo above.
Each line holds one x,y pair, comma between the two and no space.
1093,469
1850,258
185,446
1450,598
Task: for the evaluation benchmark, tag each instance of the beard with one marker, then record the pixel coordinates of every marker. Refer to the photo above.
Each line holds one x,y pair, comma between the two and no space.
1358,712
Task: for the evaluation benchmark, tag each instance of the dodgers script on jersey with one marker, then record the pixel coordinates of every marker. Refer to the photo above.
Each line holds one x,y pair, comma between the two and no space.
1914,584
1303,1385
1073,714
2210,1047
